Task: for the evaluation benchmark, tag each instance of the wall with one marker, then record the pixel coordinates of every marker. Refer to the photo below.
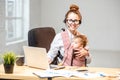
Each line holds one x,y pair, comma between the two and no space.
17,47
34,22
100,23
35,9
35,13
100,20
105,58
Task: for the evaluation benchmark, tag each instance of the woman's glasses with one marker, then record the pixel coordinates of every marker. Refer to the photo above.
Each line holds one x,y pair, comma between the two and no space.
73,21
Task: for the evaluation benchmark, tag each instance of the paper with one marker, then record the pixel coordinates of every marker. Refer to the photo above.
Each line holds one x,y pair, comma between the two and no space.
53,73
66,73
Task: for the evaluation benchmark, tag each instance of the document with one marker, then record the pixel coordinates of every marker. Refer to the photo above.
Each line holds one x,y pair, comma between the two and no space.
67,73
53,73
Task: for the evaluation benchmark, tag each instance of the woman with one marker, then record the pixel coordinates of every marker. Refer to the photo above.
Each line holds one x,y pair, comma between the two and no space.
62,41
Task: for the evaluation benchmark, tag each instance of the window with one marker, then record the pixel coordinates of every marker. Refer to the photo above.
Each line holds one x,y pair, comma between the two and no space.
17,20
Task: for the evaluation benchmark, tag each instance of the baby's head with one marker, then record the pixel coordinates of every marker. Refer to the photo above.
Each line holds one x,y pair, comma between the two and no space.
79,41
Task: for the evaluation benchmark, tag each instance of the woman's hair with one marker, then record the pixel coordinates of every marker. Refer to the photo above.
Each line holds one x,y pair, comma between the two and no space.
73,9
83,38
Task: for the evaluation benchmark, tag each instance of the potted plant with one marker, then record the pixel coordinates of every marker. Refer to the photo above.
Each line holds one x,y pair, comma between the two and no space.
9,59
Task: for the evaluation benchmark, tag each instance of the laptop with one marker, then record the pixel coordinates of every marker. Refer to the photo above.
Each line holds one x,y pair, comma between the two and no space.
37,57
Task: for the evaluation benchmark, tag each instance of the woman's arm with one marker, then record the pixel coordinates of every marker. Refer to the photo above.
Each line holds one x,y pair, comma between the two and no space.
55,46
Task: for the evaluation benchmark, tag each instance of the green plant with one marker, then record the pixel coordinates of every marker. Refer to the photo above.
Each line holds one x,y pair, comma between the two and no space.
9,58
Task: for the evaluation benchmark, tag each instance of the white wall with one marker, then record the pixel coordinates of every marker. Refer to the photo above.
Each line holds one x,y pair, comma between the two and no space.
35,13
17,48
101,20
35,9
105,58
35,6
101,23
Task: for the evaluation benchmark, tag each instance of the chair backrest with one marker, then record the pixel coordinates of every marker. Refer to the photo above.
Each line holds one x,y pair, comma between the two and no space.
41,37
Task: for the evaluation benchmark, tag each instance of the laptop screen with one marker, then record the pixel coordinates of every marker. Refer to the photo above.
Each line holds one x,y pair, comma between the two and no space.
36,57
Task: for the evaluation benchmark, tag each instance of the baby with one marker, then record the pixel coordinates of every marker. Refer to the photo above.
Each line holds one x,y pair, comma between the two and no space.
72,58
79,41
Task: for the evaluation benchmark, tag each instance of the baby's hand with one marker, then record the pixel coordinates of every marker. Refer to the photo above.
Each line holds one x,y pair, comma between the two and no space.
78,52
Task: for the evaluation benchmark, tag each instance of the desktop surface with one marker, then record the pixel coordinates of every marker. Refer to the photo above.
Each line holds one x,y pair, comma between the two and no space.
26,73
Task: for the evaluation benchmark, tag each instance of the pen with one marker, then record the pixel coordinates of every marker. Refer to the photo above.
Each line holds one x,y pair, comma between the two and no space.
49,78
36,75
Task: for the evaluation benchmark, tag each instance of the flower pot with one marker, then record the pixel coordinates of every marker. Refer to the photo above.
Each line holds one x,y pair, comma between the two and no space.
8,68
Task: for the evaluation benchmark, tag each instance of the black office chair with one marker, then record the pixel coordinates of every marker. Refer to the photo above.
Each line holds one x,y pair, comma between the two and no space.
41,37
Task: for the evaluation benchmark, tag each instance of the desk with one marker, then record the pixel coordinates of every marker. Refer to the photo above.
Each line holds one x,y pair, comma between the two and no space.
20,73
25,73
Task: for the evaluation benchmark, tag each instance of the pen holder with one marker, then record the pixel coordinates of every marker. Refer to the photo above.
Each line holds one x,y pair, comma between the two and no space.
20,61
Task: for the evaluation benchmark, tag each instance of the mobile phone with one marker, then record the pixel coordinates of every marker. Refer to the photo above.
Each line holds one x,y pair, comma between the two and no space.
82,70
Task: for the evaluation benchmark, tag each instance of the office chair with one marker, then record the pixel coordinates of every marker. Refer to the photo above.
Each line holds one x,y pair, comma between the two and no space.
41,37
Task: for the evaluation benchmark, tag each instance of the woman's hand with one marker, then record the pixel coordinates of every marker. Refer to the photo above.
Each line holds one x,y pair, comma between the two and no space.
49,60
81,52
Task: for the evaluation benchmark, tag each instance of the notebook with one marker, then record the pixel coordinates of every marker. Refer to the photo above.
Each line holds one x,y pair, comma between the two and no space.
37,57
